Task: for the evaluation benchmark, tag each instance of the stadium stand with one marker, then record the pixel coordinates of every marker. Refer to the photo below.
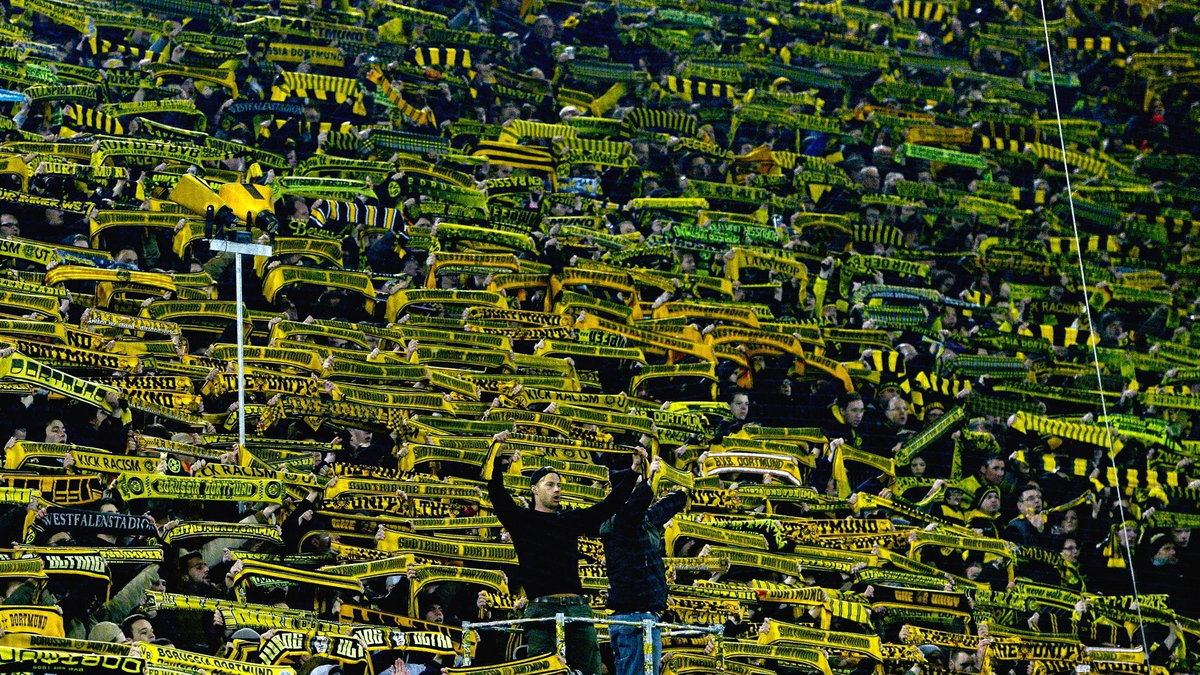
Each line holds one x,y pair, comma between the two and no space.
904,294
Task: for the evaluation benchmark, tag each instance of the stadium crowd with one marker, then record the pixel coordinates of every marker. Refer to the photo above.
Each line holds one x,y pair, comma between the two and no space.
906,307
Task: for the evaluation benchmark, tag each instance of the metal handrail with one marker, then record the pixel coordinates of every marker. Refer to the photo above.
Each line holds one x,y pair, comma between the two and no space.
560,639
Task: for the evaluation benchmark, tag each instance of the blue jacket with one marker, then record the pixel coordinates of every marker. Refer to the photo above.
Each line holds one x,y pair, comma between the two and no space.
633,551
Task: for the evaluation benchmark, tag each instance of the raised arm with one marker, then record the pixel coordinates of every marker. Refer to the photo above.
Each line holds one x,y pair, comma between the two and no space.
634,509
666,508
504,506
623,481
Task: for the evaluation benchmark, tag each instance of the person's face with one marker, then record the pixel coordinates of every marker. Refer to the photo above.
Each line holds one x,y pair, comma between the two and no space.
1070,521
917,466
128,257
897,411
1031,501
108,508
740,406
544,28
435,614
990,503
1128,535
141,631
197,570
358,437
687,264
853,412
56,432
299,210
1070,551
993,472
954,498
1181,537
547,493
9,227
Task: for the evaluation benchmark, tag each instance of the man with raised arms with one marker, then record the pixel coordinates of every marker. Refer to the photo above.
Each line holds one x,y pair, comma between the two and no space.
546,538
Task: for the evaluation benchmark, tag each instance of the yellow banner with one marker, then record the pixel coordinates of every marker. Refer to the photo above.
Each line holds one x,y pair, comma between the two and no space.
31,619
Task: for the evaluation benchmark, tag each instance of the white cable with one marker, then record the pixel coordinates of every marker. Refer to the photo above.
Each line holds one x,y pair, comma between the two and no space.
1087,306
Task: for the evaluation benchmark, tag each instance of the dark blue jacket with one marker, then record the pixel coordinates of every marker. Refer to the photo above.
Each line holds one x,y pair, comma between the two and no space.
633,551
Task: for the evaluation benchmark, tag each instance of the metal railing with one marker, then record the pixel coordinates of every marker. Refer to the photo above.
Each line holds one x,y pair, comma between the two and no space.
560,633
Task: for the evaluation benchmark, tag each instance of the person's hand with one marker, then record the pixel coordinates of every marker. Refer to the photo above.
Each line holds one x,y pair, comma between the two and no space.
639,456
655,467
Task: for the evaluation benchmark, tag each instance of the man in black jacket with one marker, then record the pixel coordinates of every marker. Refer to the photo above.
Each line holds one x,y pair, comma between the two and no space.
546,539
637,582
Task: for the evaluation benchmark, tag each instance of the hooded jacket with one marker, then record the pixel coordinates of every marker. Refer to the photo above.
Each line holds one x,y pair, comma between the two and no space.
633,550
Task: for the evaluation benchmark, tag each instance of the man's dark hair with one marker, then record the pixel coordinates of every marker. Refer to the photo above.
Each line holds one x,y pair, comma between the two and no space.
127,624
988,459
847,398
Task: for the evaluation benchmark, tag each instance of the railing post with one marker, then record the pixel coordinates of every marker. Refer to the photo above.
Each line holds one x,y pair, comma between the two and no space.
466,658
648,646
560,634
